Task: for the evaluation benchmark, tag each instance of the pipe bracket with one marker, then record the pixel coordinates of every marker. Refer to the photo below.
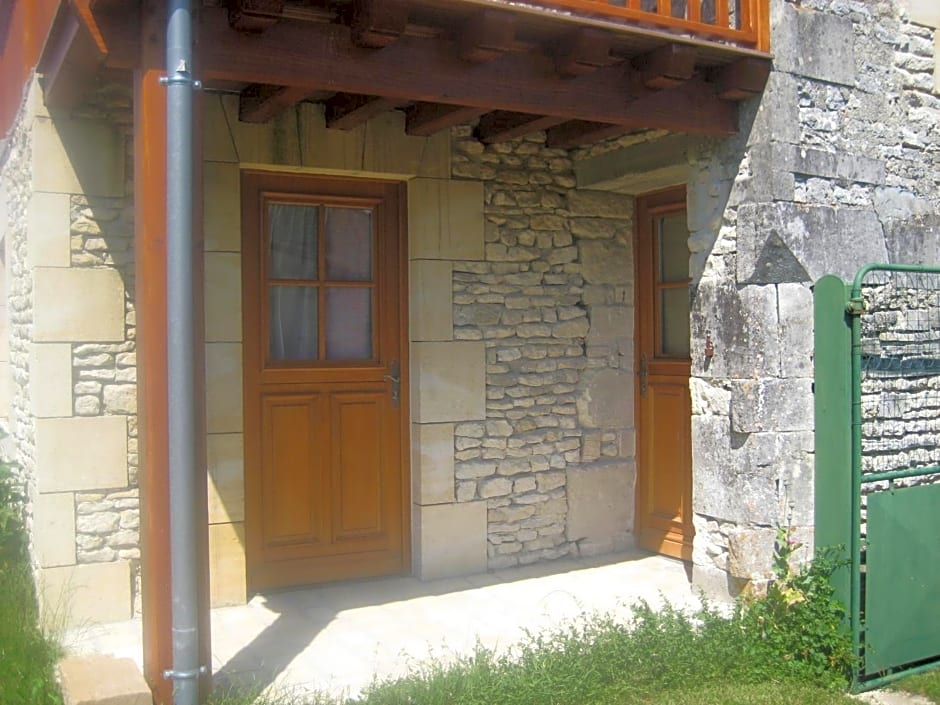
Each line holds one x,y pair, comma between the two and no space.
181,77
170,674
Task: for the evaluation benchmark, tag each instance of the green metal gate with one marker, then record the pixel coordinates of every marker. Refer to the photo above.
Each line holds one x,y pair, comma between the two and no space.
877,384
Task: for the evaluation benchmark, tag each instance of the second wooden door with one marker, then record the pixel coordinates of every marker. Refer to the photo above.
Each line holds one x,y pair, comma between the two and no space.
664,411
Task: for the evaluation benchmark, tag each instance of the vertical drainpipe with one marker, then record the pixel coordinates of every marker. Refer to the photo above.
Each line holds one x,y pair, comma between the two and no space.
184,554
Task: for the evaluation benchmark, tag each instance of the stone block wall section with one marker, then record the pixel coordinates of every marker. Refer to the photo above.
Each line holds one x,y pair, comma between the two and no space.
551,301
835,167
72,342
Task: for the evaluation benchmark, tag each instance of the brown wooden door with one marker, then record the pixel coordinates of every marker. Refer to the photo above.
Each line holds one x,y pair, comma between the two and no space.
664,410
325,388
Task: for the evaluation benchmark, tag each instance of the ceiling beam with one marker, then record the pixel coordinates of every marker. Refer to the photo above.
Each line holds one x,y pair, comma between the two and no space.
260,103
500,126
323,57
425,119
378,23
345,111
488,35
743,79
254,15
667,66
583,51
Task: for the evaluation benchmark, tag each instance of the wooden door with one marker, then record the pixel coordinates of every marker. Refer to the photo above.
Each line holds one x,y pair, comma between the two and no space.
664,410
326,483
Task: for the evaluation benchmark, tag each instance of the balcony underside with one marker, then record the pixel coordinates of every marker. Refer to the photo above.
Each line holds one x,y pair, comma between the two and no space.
508,67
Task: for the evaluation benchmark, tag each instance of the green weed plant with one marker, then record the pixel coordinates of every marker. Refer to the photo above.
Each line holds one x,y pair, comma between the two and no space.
800,620
27,657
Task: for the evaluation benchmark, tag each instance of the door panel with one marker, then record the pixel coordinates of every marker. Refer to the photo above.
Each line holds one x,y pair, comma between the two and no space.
357,466
325,471
293,478
664,410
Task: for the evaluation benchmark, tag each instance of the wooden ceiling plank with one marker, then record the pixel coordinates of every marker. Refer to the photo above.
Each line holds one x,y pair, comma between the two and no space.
743,79
666,66
425,119
254,15
583,51
579,132
322,57
488,35
500,126
70,60
345,112
378,23
260,103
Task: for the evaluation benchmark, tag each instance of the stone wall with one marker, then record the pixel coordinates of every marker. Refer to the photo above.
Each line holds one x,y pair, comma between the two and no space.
15,180
836,167
71,332
552,302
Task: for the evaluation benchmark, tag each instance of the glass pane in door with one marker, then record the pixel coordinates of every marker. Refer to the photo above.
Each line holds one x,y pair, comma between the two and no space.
292,241
293,323
674,323
348,323
348,244
673,246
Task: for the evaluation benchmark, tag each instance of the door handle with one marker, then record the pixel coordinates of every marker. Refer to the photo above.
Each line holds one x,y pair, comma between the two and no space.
644,374
394,376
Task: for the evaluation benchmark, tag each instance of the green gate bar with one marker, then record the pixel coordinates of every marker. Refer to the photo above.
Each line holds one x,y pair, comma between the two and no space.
833,442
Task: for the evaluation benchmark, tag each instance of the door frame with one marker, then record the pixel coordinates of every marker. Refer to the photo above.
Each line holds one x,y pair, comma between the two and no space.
330,185
649,205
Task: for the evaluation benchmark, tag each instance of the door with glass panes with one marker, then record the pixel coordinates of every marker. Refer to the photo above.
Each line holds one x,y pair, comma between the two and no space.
663,366
324,365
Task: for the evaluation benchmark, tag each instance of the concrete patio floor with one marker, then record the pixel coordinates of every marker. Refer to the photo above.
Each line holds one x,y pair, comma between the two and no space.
338,638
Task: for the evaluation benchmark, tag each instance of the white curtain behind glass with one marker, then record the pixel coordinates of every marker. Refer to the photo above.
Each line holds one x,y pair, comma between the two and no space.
292,254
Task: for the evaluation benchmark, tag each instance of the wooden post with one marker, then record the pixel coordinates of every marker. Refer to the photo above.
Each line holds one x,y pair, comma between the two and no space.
150,252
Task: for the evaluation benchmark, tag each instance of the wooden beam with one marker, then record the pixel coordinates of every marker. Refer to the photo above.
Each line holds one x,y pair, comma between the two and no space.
323,57
743,79
254,15
667,66
501,126
150,261
583,51
425,119
70,60
345,111
378,23
488,35
578,132
260,103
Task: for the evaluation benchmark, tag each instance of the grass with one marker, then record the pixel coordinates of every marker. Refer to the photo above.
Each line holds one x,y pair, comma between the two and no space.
27,656
786,648
926,684
664,657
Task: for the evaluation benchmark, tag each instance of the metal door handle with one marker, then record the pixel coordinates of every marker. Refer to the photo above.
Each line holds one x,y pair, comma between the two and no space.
644,374
394,376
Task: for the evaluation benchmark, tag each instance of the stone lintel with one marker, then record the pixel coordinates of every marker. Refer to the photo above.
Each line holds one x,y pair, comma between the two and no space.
646,166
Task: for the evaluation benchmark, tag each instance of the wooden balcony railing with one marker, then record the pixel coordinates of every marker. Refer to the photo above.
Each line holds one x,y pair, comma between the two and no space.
744,23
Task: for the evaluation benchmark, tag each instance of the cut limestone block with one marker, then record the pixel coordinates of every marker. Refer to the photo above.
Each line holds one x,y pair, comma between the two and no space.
102,680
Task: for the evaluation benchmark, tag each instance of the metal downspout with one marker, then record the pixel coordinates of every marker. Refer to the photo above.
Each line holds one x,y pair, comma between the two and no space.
184,554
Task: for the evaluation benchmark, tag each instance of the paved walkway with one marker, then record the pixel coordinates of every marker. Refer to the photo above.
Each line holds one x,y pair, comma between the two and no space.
338,638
